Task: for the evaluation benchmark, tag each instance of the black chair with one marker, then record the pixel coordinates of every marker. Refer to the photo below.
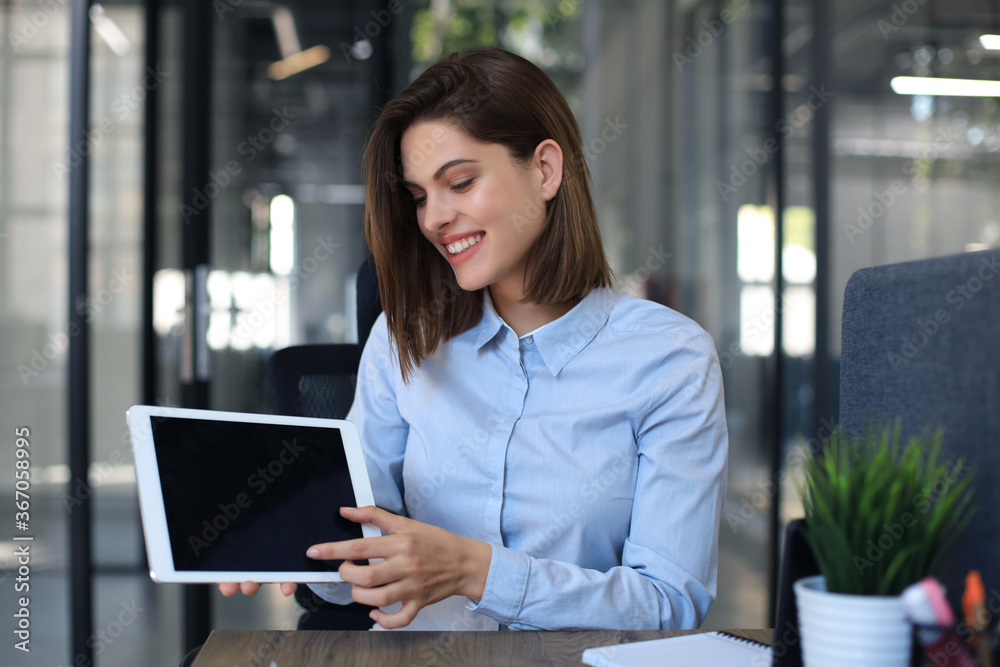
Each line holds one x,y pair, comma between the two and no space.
315,380
797,562
369,300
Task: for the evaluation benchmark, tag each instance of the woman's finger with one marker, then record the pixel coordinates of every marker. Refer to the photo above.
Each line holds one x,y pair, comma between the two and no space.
229,588
399,619
371,576
383,596
249,588
357,549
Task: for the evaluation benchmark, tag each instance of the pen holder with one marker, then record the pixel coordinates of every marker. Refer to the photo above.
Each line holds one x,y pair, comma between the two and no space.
956,646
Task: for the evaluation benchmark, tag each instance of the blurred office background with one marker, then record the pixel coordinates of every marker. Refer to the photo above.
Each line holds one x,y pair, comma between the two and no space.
717,131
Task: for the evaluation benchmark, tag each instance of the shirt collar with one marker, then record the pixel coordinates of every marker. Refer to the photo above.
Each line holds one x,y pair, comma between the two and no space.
561,339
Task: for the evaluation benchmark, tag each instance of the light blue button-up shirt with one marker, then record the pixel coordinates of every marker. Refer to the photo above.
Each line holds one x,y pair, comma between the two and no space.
591,454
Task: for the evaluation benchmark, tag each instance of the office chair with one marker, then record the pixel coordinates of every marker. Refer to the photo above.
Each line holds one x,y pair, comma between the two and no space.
369,301
921,341
797,562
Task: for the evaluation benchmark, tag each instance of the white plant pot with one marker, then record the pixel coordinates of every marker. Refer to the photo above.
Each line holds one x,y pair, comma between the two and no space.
857,630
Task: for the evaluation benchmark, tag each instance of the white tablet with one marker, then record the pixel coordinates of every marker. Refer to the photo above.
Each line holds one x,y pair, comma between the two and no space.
228,496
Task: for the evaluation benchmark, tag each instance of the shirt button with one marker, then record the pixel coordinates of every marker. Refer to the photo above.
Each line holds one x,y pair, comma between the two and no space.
529,340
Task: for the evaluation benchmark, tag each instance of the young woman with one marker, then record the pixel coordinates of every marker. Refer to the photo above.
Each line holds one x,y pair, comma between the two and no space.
545,453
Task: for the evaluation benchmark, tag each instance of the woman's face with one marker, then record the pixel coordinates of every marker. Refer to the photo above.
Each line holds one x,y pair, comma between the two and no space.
478,208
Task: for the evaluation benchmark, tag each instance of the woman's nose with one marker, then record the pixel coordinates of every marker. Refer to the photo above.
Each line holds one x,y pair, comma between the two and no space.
437,212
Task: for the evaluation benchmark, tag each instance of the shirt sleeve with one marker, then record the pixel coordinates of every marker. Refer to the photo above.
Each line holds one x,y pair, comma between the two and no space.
383,434
667,576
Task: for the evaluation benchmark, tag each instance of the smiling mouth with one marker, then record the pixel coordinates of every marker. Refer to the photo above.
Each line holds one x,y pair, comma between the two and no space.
464,244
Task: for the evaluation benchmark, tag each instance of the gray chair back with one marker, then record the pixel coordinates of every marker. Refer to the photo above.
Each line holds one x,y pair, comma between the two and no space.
921,341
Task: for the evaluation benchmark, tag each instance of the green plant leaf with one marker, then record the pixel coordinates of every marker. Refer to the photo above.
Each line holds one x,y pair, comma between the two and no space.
880,514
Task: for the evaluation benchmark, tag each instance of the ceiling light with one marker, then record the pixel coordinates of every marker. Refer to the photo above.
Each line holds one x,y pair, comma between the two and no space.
990,42
109,31
925,85
284,29
294,64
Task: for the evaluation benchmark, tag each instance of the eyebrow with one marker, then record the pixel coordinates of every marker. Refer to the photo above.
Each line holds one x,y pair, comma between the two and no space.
443,168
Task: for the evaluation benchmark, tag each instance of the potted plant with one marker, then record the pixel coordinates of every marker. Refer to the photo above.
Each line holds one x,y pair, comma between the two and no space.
878,517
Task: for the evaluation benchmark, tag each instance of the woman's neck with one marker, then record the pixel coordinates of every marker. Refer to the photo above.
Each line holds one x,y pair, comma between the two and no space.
524,317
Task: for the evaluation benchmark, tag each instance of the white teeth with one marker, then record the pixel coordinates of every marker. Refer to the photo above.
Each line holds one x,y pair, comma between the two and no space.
464,244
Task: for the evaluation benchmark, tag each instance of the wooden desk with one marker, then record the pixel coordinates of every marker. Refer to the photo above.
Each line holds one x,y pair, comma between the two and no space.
257,648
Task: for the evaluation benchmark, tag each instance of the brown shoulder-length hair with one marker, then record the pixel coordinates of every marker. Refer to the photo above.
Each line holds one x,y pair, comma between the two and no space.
496,97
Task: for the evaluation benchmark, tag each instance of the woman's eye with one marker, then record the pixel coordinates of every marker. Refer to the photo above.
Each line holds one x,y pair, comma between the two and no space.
463,186
418,200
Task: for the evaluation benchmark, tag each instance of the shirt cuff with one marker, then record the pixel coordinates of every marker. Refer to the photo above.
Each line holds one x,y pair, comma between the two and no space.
335,593
506,585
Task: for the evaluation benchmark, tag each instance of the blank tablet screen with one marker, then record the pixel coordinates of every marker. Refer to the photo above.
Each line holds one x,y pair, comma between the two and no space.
252,497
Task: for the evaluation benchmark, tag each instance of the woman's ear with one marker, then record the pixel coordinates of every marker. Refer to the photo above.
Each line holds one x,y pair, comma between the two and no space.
549,160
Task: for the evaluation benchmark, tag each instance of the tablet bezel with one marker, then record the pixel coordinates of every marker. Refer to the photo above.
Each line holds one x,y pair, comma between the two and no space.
153,513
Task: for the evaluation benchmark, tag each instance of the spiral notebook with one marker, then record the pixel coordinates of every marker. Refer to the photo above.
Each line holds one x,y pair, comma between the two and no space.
709,648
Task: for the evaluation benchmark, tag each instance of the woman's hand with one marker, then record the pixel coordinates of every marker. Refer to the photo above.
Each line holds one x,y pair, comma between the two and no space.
251,588
422,564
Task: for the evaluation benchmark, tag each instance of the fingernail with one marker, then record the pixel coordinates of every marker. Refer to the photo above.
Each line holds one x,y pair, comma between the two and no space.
313,552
